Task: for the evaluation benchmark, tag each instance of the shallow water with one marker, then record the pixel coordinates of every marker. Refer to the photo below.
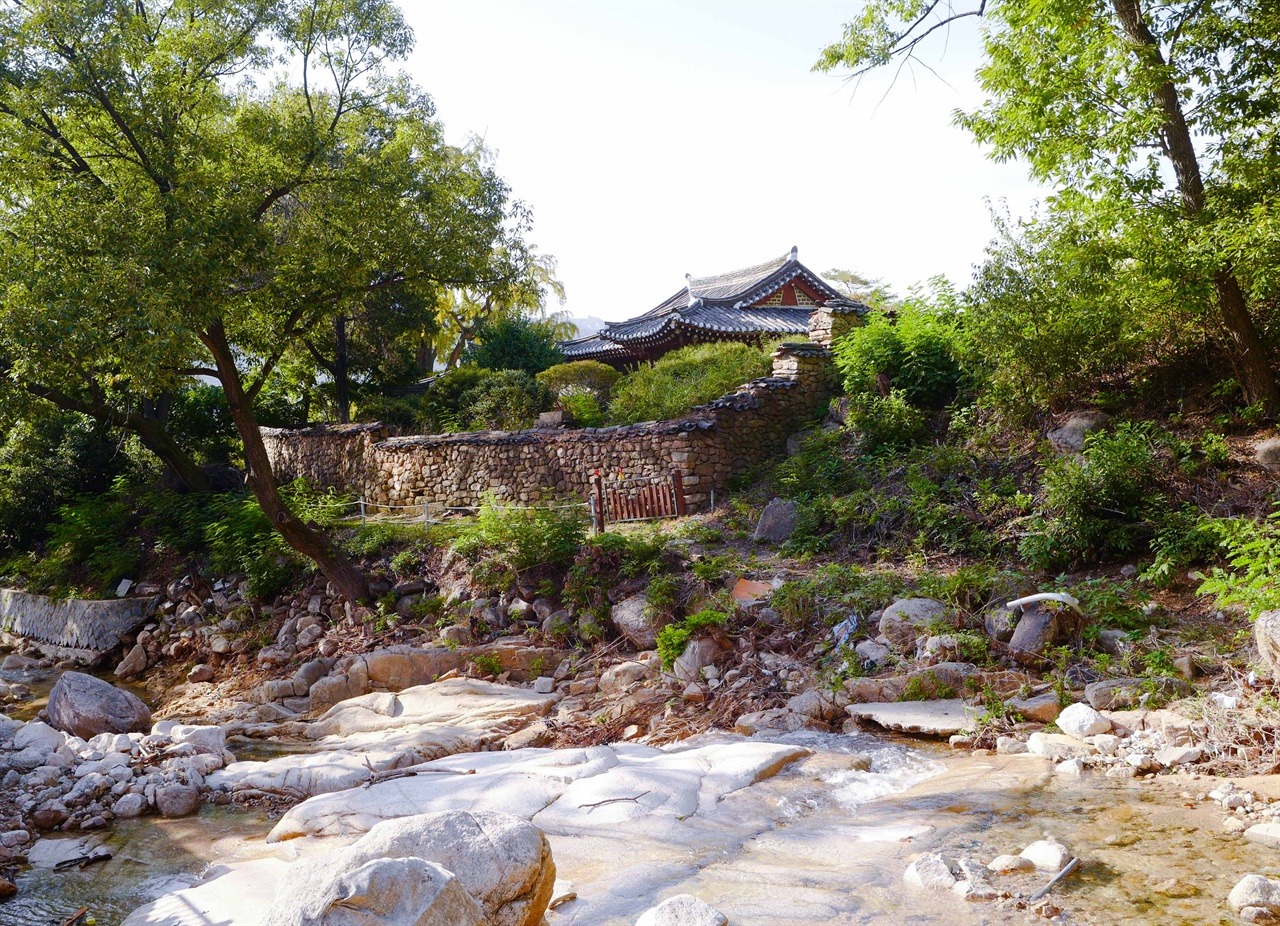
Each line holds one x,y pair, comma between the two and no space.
821,843
152,857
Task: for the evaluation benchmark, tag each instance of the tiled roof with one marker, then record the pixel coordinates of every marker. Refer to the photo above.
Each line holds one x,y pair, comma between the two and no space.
716,304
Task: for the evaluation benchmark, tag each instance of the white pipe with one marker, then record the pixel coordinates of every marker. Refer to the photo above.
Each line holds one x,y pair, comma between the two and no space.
1063,597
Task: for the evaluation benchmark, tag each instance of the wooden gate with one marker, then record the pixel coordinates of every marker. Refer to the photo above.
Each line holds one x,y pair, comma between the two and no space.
643,498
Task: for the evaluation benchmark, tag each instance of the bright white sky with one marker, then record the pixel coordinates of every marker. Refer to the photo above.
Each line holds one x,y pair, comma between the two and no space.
662,137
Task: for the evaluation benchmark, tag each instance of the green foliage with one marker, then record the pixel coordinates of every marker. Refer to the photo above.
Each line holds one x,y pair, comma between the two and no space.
514,540
470,398
514,342
1183,537
916,346
200,422
372,537
1251,577
93,532
926,687
663,597
1094,506
487,664
833,592
583,409
690,376
47,461
673,638
581,376
885,423
1111,603
606,558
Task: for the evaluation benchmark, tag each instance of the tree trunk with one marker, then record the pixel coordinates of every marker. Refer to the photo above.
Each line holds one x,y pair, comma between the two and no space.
304,539
158,440
341,375
153,434
1244,344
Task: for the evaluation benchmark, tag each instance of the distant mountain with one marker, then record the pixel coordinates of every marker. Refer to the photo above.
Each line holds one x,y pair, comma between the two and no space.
588,325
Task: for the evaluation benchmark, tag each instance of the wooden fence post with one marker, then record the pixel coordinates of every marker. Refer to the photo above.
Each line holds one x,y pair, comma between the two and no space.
597,504
677,484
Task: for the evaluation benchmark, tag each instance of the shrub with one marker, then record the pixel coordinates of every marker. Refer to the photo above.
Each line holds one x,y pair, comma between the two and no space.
1093,507
916,347
690,376
201,422
885,423
673,638
514,342
515,540
581,376
1251,578
584,409
470,398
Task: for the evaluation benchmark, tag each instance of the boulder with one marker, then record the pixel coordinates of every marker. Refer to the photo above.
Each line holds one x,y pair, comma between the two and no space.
1069,437
778,521
177,799
1080,720
622,676
1000,624
1006,864
1035,632
382,892
85,706
1121,693
1043,708
631,619
932,872
928,718
1255,891
200,673
682,910
1266,634
135,663
501,861
699,653
906,619
1047,855
873,652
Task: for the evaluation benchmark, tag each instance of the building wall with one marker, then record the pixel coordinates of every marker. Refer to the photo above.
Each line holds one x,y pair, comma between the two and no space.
710,446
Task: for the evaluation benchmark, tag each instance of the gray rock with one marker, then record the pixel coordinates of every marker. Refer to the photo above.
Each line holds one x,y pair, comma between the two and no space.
277,689
630,619
129,805
200,673
1047,855
1114,642
871,651
1035,632
1266,634
309,635
1267,453
906,619
928,718
544,684
1264,834
85,706
1044,708
778,521
1123,693
1070,436
177,800
135,663
999,624
699,653
1081,720
682,910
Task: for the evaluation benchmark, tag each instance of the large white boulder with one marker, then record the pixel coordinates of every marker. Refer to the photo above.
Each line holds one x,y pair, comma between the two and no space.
500,861
682,910
1255,891
1047,855
381,892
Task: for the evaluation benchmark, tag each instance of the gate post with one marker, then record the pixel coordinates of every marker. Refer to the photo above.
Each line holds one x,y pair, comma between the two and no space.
597,503
677,483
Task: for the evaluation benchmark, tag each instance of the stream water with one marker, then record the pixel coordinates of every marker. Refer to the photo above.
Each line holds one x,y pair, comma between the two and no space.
821,843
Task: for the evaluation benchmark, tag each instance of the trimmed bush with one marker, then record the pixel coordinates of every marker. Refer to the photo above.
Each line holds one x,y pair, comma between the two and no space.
685,378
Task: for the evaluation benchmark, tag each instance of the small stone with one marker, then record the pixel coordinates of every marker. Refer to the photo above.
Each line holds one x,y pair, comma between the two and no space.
1233,825
1264,834
544,684
200,673
1179,755
1047,855
1081,720
1122,771
1044,708
931,872
1257,892
177,800
1010,746
682,910
1071,768
1006,864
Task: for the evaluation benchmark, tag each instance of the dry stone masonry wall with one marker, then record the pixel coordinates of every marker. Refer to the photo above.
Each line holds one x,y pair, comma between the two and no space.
74,623
710,446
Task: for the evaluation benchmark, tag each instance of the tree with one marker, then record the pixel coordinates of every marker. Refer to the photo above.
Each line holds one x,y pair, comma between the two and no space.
514,342
191,187
1109,99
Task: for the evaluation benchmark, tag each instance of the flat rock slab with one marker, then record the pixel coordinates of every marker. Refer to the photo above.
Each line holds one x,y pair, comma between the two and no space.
926,718
236,895
392,731
559,790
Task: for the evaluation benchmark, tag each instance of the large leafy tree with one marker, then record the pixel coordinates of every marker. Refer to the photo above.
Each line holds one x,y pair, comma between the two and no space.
191,187
1155,119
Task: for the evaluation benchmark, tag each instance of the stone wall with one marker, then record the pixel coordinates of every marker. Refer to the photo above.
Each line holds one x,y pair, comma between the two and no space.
710,446
73,623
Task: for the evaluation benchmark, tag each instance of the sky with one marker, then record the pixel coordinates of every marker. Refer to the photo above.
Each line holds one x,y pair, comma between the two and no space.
654,139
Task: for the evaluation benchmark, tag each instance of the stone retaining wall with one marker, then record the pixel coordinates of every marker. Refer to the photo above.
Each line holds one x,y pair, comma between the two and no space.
710,446
72,622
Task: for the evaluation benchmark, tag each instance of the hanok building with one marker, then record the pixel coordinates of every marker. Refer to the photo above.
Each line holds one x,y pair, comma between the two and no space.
760,303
